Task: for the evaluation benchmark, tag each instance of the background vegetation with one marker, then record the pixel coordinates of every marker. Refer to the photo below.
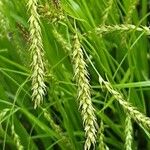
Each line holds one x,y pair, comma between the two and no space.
113,37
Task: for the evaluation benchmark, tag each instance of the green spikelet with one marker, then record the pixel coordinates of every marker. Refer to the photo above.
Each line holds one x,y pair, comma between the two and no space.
36,48
84,96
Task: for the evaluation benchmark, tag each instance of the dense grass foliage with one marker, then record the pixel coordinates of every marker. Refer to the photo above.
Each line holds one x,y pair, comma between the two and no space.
74,75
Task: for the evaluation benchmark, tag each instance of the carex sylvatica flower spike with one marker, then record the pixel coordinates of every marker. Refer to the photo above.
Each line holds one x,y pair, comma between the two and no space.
37,54
84,95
